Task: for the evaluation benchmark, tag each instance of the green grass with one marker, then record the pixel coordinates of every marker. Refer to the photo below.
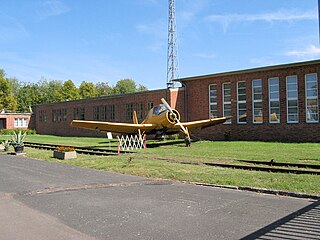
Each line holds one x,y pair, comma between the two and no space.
145,164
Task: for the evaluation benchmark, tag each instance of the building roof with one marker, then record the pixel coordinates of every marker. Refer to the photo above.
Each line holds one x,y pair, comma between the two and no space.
274,67
15,114
103,97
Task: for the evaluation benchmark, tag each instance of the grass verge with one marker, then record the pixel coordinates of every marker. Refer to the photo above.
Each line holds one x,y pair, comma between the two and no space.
145,164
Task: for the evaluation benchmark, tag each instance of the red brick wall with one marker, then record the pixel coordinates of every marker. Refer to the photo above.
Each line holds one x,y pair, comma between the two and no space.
198,105
63,128
192,102
10,120
176,101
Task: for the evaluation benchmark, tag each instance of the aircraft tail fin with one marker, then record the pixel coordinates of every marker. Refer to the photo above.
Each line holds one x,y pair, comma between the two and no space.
135,121
135,118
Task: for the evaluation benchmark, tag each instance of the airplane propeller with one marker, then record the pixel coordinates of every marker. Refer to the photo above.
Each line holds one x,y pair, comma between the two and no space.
176,119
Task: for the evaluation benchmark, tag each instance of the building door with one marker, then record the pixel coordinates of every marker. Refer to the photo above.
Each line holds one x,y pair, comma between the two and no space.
3,123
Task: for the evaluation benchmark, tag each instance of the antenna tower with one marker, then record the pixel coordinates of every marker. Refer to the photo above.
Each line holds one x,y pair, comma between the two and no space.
172,63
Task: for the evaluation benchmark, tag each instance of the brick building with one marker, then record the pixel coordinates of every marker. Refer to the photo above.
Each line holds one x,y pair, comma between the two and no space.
281,103
274,103
15,120
55,118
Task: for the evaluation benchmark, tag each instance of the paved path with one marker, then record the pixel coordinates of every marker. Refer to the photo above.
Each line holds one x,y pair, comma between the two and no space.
43,200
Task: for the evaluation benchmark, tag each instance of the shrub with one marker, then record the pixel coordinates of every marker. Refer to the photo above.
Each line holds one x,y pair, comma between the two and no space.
11,132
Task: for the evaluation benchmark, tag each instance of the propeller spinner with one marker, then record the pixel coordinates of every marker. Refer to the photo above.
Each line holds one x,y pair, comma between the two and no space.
176,119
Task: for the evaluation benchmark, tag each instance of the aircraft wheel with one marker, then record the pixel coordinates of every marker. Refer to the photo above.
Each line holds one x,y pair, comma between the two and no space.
187,141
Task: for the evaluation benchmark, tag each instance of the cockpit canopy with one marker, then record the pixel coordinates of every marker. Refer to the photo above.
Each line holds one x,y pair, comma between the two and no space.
158,109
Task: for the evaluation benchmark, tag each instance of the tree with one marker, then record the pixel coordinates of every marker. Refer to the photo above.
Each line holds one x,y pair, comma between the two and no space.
142,88
49,91
125,86
103,89
69,91
87,90
55,91
28,96
7,98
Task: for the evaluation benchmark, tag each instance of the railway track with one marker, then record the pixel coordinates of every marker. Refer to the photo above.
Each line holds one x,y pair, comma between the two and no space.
81,150
265,166
252,165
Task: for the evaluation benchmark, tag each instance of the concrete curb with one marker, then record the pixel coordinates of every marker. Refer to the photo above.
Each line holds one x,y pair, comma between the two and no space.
262,190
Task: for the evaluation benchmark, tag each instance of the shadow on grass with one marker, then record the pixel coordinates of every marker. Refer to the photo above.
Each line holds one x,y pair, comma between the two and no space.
160,143
302,224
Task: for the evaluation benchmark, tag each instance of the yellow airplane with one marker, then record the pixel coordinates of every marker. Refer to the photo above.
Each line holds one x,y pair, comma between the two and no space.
160,119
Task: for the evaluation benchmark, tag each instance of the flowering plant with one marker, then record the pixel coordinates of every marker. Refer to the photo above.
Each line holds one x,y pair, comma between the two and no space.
65,149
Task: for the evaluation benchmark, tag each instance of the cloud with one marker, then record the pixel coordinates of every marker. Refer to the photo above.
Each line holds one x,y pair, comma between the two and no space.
155,29
50,8
11,29
309,51
157,33
205,55
278,16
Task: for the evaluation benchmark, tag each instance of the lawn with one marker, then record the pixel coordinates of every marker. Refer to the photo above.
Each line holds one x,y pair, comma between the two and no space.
148,164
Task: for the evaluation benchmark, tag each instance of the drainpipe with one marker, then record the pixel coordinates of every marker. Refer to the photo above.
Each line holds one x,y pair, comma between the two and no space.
185,104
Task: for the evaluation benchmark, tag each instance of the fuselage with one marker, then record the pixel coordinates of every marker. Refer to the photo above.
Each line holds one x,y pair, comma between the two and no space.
162,118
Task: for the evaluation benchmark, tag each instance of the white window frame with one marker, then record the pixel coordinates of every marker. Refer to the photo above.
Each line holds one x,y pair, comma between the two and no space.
292,98
256,101
311,98
274,99
225,103
241,102
213,103
21,122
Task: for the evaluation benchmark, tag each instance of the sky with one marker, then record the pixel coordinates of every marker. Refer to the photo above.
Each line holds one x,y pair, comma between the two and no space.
109,40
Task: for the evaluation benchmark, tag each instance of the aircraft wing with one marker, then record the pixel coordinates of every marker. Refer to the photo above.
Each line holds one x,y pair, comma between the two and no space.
129,128
202,123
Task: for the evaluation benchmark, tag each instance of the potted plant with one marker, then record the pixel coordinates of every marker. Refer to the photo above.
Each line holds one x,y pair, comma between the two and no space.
18,141
6,145
65,152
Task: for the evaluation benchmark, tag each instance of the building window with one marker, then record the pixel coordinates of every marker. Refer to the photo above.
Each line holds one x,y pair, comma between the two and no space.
82,114
274,103
54,116
242,102
139,107
149,106
42,116
21,122
257,101
112,112
64,114
312,109
213,101
226,90
292,99
104,113
76,113
129,108
96,113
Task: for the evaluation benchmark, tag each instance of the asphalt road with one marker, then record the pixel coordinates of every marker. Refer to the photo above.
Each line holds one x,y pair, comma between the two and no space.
43,200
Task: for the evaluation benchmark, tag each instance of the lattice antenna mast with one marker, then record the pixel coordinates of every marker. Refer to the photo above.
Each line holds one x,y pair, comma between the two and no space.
172,63
319,18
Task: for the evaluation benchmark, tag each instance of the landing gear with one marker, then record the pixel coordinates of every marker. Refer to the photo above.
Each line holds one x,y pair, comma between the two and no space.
187,141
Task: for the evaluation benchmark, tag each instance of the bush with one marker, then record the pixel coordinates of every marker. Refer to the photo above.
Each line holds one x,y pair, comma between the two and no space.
11,132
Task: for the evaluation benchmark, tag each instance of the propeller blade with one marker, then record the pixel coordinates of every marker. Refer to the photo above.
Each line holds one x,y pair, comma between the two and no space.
166,105
184,130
